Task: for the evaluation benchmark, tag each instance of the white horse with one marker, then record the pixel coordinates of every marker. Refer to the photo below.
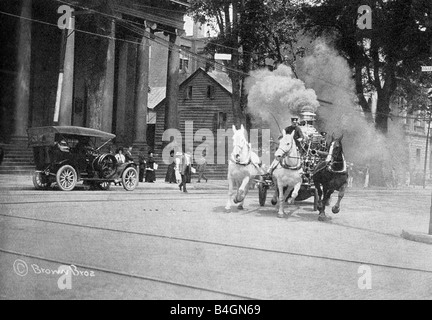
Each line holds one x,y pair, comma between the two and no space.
243,165
288,172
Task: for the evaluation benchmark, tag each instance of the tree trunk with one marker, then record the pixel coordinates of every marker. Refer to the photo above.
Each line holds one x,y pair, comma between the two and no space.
236,99
233,32
361,98
236,93
383,102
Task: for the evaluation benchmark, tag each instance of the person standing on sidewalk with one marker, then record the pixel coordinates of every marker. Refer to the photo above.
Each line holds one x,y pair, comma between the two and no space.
185,170
142,165
202,165
170,175
150,175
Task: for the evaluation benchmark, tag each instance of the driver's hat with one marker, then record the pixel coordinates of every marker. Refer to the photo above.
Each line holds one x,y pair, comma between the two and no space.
294,119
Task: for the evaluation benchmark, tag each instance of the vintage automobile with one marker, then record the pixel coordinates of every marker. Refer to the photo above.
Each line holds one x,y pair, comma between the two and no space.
64,155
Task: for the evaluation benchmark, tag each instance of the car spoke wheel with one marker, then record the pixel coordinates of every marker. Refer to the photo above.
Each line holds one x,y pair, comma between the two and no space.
130,178
66,178
40,181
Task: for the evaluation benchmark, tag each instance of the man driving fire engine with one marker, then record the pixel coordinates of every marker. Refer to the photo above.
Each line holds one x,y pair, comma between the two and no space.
298,135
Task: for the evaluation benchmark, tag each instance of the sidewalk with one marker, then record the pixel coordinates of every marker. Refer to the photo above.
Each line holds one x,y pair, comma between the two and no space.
25,181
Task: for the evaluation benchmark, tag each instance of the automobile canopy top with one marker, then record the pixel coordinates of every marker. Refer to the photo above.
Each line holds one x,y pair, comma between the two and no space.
45,135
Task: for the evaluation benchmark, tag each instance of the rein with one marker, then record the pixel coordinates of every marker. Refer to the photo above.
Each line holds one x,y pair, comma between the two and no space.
249,158
330,162
286,155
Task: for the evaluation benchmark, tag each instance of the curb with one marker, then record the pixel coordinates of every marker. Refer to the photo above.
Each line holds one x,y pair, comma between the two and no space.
417,236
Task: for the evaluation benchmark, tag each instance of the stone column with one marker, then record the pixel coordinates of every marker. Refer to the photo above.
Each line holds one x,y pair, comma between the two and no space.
23,80
141,99
66,100
122,90
171,101
108,93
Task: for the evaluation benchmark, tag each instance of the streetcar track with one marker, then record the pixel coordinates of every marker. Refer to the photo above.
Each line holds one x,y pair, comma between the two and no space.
103,199
129,275
298,254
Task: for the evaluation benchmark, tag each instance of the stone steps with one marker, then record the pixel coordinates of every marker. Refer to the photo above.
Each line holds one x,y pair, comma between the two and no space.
18,158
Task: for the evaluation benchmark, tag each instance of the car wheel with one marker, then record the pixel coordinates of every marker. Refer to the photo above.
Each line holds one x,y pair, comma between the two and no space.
66,178
39,181
130,178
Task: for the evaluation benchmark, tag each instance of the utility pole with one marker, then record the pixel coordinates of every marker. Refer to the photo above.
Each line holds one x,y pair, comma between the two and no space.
427,145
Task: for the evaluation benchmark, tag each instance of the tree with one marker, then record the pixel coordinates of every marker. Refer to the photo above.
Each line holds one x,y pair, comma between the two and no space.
250,30
226,13
383,58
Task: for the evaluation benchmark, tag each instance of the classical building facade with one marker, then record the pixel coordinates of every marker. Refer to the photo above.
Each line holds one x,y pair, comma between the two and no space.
419,146
93,73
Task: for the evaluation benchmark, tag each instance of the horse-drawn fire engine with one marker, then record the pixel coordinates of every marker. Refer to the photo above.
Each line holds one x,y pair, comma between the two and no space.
313,149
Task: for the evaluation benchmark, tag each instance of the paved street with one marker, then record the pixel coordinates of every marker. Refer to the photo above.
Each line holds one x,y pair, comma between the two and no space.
158,243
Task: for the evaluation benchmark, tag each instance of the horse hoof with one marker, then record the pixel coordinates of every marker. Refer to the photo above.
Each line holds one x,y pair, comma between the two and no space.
280,215
227,210
323,218
274,202
335,210
240,208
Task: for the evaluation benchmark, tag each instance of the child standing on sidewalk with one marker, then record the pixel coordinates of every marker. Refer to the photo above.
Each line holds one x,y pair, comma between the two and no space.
202,165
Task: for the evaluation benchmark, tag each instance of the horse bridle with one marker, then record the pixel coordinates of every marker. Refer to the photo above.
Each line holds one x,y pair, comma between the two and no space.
285,154
332,161
233,159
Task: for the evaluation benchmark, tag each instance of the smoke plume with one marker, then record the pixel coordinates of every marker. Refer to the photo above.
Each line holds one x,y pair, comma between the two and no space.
277,96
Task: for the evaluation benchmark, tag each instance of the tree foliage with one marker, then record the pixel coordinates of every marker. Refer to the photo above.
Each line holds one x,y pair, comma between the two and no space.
251,31
386,59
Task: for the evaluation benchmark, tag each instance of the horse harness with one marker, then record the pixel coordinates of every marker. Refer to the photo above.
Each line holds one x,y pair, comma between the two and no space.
286,155
330,162
245,164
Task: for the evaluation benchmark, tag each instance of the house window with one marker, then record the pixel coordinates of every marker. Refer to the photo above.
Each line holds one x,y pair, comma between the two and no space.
418,152
184,64
222,119
189,92
210,92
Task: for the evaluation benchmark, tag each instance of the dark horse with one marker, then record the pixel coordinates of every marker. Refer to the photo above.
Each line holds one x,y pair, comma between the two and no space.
331,174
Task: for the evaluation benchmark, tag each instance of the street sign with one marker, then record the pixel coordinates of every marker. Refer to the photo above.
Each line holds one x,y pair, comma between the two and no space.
426,68
222,56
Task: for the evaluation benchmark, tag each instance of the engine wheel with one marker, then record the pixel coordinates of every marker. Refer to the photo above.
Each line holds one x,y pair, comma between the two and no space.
66,178
262,194
130,178
40,182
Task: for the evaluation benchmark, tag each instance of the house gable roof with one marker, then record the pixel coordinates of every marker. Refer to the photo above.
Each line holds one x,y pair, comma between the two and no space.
212,79
161,99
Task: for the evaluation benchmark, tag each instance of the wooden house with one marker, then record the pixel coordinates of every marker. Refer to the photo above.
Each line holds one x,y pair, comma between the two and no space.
206,104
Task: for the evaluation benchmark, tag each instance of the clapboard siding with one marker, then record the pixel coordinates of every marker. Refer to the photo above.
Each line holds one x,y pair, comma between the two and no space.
202,111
